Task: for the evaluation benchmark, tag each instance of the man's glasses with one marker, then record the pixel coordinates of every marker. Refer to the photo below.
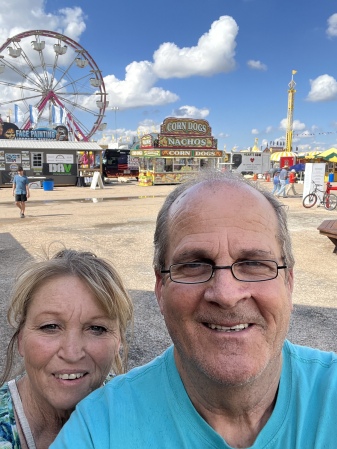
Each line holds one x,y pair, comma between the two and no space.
244,271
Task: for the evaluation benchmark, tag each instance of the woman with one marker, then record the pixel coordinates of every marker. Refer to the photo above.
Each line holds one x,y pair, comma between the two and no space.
70,315
276,182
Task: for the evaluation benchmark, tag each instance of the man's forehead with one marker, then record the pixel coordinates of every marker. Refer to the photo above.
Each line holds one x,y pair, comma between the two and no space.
224,189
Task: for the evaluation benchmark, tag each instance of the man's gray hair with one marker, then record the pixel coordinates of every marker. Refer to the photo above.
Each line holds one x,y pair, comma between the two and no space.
209,178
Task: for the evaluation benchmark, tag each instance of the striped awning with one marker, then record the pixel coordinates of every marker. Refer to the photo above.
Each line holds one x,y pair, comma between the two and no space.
312,154
329,155
278,154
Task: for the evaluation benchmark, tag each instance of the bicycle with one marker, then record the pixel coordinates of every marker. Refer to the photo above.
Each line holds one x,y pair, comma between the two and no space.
329,200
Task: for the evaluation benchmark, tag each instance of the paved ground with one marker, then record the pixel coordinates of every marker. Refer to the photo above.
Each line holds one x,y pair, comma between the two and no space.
118,221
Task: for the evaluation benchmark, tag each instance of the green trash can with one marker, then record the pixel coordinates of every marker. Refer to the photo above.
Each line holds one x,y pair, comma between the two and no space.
48,184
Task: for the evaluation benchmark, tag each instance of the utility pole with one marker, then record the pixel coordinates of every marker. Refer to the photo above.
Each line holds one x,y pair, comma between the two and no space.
115,108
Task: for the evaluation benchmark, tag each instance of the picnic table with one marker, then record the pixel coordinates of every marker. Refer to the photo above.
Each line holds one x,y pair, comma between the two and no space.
329,228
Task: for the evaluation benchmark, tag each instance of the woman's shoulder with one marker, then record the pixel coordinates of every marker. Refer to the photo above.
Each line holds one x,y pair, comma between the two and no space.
5,395
8,430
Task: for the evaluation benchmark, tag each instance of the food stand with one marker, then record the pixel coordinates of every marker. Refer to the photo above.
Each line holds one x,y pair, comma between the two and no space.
182,148
43,155
89,162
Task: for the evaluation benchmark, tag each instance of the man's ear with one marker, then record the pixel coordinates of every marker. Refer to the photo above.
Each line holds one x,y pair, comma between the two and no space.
158,289
290,285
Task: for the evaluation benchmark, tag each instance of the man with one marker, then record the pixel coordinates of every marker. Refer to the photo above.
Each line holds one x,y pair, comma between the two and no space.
21,191
224,280
283,182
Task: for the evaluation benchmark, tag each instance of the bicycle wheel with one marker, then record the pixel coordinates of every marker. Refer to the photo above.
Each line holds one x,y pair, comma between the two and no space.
309,200
330,201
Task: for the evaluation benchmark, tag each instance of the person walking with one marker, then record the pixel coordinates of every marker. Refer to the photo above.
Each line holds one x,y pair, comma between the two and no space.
276,181
21,191
283,182
292,180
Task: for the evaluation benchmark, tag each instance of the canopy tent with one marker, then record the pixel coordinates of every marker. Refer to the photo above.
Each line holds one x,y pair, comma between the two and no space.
298,167
313,155
278,154
329,155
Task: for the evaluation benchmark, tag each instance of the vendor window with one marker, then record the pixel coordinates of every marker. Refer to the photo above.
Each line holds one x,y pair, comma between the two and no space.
37,160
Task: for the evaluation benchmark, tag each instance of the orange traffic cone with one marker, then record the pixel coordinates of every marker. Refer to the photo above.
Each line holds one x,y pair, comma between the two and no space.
255,177
268,177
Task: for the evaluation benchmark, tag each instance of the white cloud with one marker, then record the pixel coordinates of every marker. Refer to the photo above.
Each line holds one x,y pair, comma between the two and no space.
332,26
255,131
24,16
269,129
323,88
256,65
213,54
137,89
190,111
297,125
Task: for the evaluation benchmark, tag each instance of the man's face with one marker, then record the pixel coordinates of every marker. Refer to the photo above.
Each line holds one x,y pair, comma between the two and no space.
20,172
223,225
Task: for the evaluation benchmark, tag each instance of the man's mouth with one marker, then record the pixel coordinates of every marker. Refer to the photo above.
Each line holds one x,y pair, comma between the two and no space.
236,328
71,376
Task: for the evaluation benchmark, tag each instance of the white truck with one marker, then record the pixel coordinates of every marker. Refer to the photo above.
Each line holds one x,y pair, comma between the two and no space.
250,163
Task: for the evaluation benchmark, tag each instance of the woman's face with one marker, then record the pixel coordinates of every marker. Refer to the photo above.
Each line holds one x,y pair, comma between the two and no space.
68,344
10,133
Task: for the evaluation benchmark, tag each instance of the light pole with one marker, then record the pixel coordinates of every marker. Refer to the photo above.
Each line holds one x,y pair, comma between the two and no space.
115,108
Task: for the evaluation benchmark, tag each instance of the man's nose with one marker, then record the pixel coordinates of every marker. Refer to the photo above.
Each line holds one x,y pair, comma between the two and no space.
224,289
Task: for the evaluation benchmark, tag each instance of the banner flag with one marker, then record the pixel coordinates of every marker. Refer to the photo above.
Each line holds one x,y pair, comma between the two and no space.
64,116
19,116
33,113
59,115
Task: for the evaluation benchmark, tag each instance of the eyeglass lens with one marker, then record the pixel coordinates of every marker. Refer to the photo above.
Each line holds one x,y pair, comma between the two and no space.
248,270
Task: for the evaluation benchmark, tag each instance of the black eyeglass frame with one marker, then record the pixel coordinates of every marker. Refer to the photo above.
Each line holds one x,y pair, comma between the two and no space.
223,267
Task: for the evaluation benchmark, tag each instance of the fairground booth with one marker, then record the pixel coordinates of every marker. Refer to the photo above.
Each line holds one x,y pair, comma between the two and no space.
45,154
183,147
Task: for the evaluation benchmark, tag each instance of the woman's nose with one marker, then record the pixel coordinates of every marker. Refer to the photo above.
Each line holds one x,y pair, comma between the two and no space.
72,347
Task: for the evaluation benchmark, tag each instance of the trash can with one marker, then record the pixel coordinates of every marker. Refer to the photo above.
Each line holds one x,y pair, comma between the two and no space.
48,184
331,177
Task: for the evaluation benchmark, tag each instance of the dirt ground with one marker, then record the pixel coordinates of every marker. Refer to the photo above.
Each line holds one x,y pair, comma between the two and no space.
117,222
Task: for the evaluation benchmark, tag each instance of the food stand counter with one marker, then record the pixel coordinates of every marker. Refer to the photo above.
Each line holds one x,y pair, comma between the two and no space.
155,169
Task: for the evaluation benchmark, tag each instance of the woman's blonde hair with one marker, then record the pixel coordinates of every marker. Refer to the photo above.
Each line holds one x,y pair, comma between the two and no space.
97,274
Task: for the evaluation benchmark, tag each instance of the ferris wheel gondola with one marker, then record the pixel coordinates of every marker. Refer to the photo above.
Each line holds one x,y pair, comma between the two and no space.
45,71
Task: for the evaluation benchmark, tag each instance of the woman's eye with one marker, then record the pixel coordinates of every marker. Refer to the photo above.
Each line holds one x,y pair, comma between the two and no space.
98,330
49,327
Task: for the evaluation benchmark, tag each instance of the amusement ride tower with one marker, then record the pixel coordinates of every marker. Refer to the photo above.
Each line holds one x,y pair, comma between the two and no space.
291,95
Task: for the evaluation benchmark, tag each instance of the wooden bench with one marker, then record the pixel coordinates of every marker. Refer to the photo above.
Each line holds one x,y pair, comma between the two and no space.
329,228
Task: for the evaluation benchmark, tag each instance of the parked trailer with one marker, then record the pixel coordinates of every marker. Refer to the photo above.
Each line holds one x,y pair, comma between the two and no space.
250,163
118,163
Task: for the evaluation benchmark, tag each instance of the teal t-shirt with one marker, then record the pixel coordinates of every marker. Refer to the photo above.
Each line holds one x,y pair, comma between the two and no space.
149,408
20,185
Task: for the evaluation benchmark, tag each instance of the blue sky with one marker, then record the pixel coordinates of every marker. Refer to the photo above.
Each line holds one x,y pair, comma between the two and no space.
226,61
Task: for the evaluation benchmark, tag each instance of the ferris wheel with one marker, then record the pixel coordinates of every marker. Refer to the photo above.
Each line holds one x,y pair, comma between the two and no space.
51,80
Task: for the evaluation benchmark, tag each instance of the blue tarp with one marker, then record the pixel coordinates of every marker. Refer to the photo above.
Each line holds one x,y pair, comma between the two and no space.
298,167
